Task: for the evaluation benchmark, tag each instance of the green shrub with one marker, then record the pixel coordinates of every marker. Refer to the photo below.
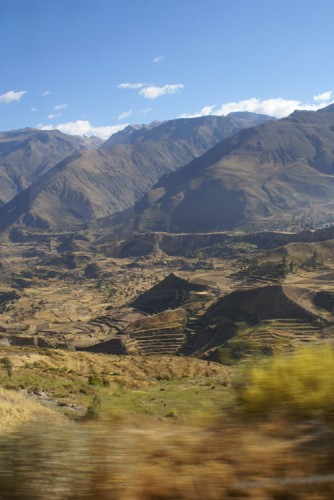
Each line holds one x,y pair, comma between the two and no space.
8,365
93,410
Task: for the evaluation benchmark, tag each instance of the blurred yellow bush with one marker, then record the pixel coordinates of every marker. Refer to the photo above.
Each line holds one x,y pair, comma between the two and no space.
300,384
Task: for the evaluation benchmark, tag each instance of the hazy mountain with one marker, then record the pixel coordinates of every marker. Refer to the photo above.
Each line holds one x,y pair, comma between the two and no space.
195,130
94,184
28,153
270,170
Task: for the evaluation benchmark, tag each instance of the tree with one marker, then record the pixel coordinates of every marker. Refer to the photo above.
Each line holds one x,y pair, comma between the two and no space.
291,266
284,265
314,261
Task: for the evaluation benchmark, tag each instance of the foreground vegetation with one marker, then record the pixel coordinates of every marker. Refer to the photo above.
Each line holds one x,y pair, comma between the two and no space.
166,460
165,428
300,385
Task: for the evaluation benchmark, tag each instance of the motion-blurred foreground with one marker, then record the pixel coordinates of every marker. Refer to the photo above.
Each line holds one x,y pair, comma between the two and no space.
271,437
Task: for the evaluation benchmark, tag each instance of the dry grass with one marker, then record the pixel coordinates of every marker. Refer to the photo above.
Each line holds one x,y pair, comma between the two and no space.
17,408
128,371
164,460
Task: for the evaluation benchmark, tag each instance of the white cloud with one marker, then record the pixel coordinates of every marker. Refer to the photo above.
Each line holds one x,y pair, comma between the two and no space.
325,96
33,110
207,110
276,106
158,59
128,85
47,92
125,114
153,91
145,111
11,96
60,106
84,127
55,115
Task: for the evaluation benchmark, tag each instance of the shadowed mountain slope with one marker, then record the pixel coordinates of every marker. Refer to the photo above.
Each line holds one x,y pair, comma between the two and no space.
271,170
95,184
28,153
266,309
274,301
169,293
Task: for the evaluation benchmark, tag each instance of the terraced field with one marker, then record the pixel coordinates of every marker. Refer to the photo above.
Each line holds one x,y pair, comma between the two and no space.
165,340
294,330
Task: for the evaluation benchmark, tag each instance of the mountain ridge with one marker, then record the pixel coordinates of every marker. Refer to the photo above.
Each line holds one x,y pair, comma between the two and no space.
26,154
269,170
95,184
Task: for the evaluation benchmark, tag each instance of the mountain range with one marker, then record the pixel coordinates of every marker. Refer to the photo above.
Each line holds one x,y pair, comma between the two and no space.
270,171
91,184
28,153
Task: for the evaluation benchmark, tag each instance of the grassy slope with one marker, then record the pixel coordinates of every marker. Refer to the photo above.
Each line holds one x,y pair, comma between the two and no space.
129,386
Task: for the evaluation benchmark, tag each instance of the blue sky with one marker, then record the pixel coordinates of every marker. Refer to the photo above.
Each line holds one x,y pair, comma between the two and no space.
91,67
